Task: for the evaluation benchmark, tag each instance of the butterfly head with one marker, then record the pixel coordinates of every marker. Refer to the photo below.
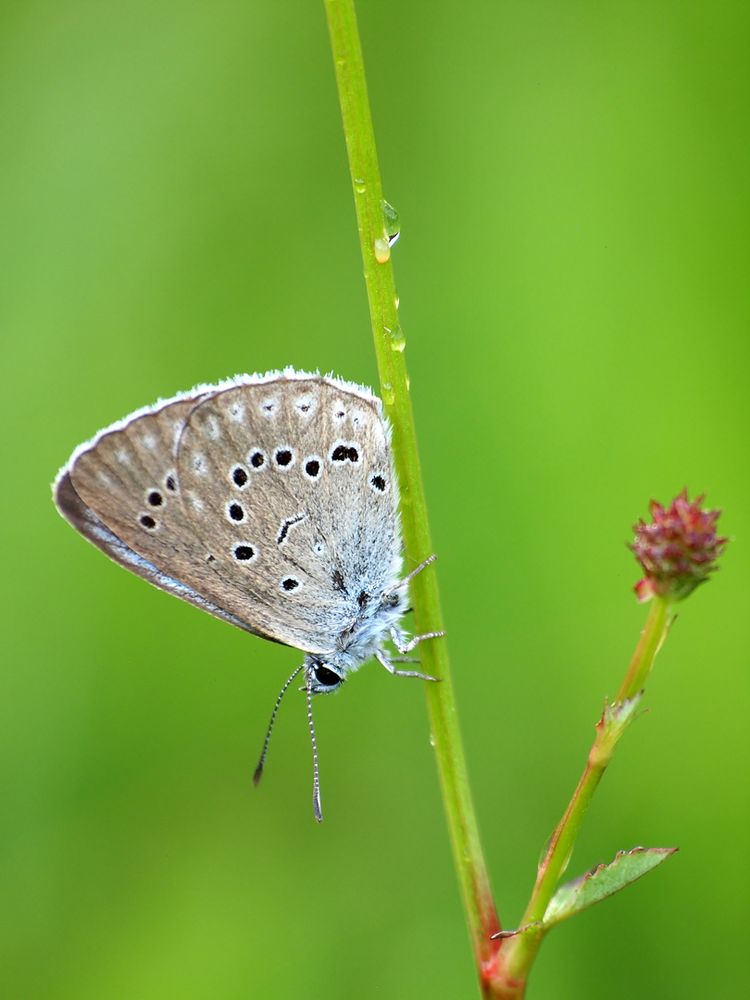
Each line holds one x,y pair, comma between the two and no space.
322,677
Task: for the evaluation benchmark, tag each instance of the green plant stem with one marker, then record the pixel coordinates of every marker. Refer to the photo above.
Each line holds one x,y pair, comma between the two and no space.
519,952
389,349
653,635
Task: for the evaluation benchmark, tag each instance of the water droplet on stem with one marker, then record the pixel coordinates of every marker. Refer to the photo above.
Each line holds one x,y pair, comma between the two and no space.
382,250
389,396
397,339
391,222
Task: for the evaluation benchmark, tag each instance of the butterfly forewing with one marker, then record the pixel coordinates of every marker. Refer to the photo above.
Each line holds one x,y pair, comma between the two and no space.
288,485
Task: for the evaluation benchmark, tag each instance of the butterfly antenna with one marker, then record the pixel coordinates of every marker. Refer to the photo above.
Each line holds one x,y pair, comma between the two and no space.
316,776
264,752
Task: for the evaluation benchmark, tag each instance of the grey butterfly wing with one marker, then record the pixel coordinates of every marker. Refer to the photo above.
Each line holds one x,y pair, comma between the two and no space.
122,494
289,485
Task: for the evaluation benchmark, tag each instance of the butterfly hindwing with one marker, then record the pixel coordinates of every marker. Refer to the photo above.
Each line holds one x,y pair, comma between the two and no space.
121,492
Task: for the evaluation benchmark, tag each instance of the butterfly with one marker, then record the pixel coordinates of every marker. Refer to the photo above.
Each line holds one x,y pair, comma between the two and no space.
269,501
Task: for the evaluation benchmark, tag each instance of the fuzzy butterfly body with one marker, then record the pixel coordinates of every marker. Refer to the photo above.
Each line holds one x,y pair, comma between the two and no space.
269,501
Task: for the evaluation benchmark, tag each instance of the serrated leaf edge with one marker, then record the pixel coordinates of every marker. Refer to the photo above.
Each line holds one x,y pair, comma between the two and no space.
575,885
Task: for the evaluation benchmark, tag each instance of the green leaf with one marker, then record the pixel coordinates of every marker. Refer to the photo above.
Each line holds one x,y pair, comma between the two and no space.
603,881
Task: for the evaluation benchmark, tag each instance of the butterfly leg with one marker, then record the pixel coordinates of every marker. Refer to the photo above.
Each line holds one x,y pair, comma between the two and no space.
404,646
382,657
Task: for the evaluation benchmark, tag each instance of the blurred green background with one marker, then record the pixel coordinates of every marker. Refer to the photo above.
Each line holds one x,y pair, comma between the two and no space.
572,182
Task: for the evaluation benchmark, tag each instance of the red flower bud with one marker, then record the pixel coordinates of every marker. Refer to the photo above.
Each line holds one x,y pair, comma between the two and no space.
678,550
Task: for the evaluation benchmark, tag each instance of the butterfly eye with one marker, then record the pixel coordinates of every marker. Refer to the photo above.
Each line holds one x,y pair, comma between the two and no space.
326,677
